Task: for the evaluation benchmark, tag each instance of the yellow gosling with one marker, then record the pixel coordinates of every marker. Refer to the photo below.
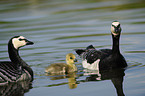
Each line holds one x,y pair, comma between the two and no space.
59,68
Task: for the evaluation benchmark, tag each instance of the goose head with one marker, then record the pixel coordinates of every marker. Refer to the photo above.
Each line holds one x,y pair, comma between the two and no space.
20,41
70,58
115,28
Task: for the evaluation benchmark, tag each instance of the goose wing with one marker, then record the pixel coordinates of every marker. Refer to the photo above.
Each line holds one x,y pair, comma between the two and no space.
90,54
9,72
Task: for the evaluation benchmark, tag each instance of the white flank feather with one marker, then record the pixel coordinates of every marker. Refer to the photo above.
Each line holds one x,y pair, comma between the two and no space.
93,66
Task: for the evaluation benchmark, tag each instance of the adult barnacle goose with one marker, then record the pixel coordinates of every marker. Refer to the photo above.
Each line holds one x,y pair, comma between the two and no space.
17,69
104,59
59,68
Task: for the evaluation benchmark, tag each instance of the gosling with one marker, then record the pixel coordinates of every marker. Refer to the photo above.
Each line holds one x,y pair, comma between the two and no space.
60,68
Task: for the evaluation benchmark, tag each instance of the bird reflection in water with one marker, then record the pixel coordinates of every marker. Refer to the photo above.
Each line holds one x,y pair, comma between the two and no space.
115,75
71,79
15,89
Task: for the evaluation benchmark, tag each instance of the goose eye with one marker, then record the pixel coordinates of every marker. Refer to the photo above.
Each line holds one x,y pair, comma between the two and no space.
21,39
113,26
71,58
118,26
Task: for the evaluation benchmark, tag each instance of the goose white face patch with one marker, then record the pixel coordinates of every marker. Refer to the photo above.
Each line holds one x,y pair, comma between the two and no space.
115,24
93,66
17,43
113,32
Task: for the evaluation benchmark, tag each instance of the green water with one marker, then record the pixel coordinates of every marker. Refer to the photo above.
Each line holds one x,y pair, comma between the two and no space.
57,27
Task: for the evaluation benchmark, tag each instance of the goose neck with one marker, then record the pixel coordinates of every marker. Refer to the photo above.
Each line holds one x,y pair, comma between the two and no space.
115,47
14,55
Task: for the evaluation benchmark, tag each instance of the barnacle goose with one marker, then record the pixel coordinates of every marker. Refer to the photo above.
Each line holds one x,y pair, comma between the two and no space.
58,68
104,59
16,69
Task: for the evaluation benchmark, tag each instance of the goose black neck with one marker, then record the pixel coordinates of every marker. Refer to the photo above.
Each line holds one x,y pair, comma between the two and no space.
14,55
16,59
115,47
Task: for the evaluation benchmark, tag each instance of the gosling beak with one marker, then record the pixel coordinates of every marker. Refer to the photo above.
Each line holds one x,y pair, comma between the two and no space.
75,60
29,42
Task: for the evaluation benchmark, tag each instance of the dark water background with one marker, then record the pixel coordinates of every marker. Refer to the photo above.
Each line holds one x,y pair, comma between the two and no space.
59,26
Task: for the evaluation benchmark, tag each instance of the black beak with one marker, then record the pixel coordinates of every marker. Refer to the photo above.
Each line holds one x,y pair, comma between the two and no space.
75,60
29,42
116,30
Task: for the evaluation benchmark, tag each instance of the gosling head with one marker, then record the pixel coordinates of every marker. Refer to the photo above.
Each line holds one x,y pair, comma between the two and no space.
70,58
20,41
115,28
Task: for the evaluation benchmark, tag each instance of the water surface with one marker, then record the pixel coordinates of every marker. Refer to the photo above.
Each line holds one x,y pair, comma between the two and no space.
59,26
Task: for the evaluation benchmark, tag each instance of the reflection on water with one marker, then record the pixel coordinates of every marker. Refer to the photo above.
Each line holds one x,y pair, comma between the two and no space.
71,79
15,89
116,76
